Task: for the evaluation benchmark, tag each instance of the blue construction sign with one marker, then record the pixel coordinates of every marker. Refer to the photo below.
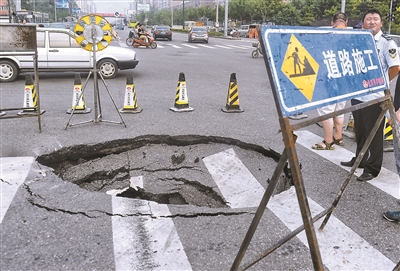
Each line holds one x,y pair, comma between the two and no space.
313,67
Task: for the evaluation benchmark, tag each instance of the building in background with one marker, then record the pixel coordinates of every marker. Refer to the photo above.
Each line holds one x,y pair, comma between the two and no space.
86,6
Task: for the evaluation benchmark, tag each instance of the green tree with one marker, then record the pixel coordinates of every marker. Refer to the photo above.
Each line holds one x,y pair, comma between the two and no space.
238,9
288,15
267,10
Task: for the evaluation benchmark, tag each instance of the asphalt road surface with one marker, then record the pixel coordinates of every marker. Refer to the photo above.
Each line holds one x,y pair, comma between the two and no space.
178,190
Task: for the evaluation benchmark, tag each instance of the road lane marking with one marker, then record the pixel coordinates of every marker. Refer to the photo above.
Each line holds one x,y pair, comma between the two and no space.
224,47
135,183
173,45
240,47
145,238
13,173
206,46
341,248
238,186
386,181
191,46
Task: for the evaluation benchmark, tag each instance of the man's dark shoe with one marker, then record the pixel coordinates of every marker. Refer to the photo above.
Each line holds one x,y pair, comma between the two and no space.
351,163
365,177
392,216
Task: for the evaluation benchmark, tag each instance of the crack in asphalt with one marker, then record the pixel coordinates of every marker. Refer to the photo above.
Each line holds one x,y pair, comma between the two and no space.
3,181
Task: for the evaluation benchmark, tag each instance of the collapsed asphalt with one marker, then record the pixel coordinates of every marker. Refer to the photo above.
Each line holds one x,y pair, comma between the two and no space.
170,166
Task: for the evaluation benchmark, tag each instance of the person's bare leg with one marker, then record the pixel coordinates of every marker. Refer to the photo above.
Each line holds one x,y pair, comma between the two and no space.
338,128
327,125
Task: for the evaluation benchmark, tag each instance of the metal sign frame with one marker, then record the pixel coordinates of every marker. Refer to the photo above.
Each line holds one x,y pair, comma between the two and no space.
17,39
290,154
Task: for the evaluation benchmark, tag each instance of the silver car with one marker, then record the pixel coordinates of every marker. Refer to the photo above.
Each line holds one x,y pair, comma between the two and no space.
58,52
198,33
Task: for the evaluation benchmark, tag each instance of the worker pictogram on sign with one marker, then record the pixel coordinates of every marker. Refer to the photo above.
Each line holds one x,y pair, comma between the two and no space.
300,67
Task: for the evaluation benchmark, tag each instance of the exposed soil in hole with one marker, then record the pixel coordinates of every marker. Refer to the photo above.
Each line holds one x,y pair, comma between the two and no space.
165,169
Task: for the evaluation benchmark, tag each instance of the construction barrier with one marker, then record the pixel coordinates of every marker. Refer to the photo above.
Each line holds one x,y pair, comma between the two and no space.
181,97
78,98
30,98
387,131
387,137
232,101
130,102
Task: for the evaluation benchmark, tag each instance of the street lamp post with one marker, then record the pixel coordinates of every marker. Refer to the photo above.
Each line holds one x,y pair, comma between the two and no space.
226,19
183,14
9,11
216,16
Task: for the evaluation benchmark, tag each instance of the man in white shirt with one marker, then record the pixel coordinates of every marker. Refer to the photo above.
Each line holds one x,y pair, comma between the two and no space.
364,119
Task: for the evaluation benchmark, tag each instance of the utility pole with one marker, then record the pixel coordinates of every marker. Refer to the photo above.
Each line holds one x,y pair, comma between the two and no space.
9,11
216,16
183,14
226,19
55,11
390,15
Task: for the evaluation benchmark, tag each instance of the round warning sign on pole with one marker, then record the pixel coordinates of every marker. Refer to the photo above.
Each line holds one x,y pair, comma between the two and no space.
93,29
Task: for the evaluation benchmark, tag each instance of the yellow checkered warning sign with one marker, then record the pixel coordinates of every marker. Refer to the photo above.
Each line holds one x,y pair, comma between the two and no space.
300,67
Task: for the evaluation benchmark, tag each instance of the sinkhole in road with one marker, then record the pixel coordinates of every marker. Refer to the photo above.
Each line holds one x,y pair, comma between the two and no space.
161,168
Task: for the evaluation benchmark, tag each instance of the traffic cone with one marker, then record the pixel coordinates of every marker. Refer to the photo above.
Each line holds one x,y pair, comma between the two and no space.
78,98
349,130
232,101
130,103
30,98
387,137
181,98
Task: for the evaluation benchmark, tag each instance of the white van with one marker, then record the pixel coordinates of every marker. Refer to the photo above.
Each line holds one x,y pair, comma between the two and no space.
243,31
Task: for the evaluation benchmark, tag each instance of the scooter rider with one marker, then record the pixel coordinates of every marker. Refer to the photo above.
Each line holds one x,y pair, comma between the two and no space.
142,33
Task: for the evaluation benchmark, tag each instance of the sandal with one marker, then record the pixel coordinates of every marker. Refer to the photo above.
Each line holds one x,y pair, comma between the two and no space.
338,141
328,146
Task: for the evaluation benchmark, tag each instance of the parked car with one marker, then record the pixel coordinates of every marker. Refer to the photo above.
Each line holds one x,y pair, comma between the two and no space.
198,33
243,31
58,52
120,27
162,32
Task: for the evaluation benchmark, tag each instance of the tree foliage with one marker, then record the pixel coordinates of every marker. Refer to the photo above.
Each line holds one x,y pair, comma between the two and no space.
295,12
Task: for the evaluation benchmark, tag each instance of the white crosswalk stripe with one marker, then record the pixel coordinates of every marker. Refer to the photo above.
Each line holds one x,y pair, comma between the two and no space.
240,47
163,251
191,46
229,172
163,45
224,47
206,46
387,180
173,45
13,173
342,248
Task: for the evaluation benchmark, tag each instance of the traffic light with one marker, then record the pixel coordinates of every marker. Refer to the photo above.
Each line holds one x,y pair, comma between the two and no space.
388,17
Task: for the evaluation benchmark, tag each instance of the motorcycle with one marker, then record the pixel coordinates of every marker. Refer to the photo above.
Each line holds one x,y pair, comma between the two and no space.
148,42
256,51
132,35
